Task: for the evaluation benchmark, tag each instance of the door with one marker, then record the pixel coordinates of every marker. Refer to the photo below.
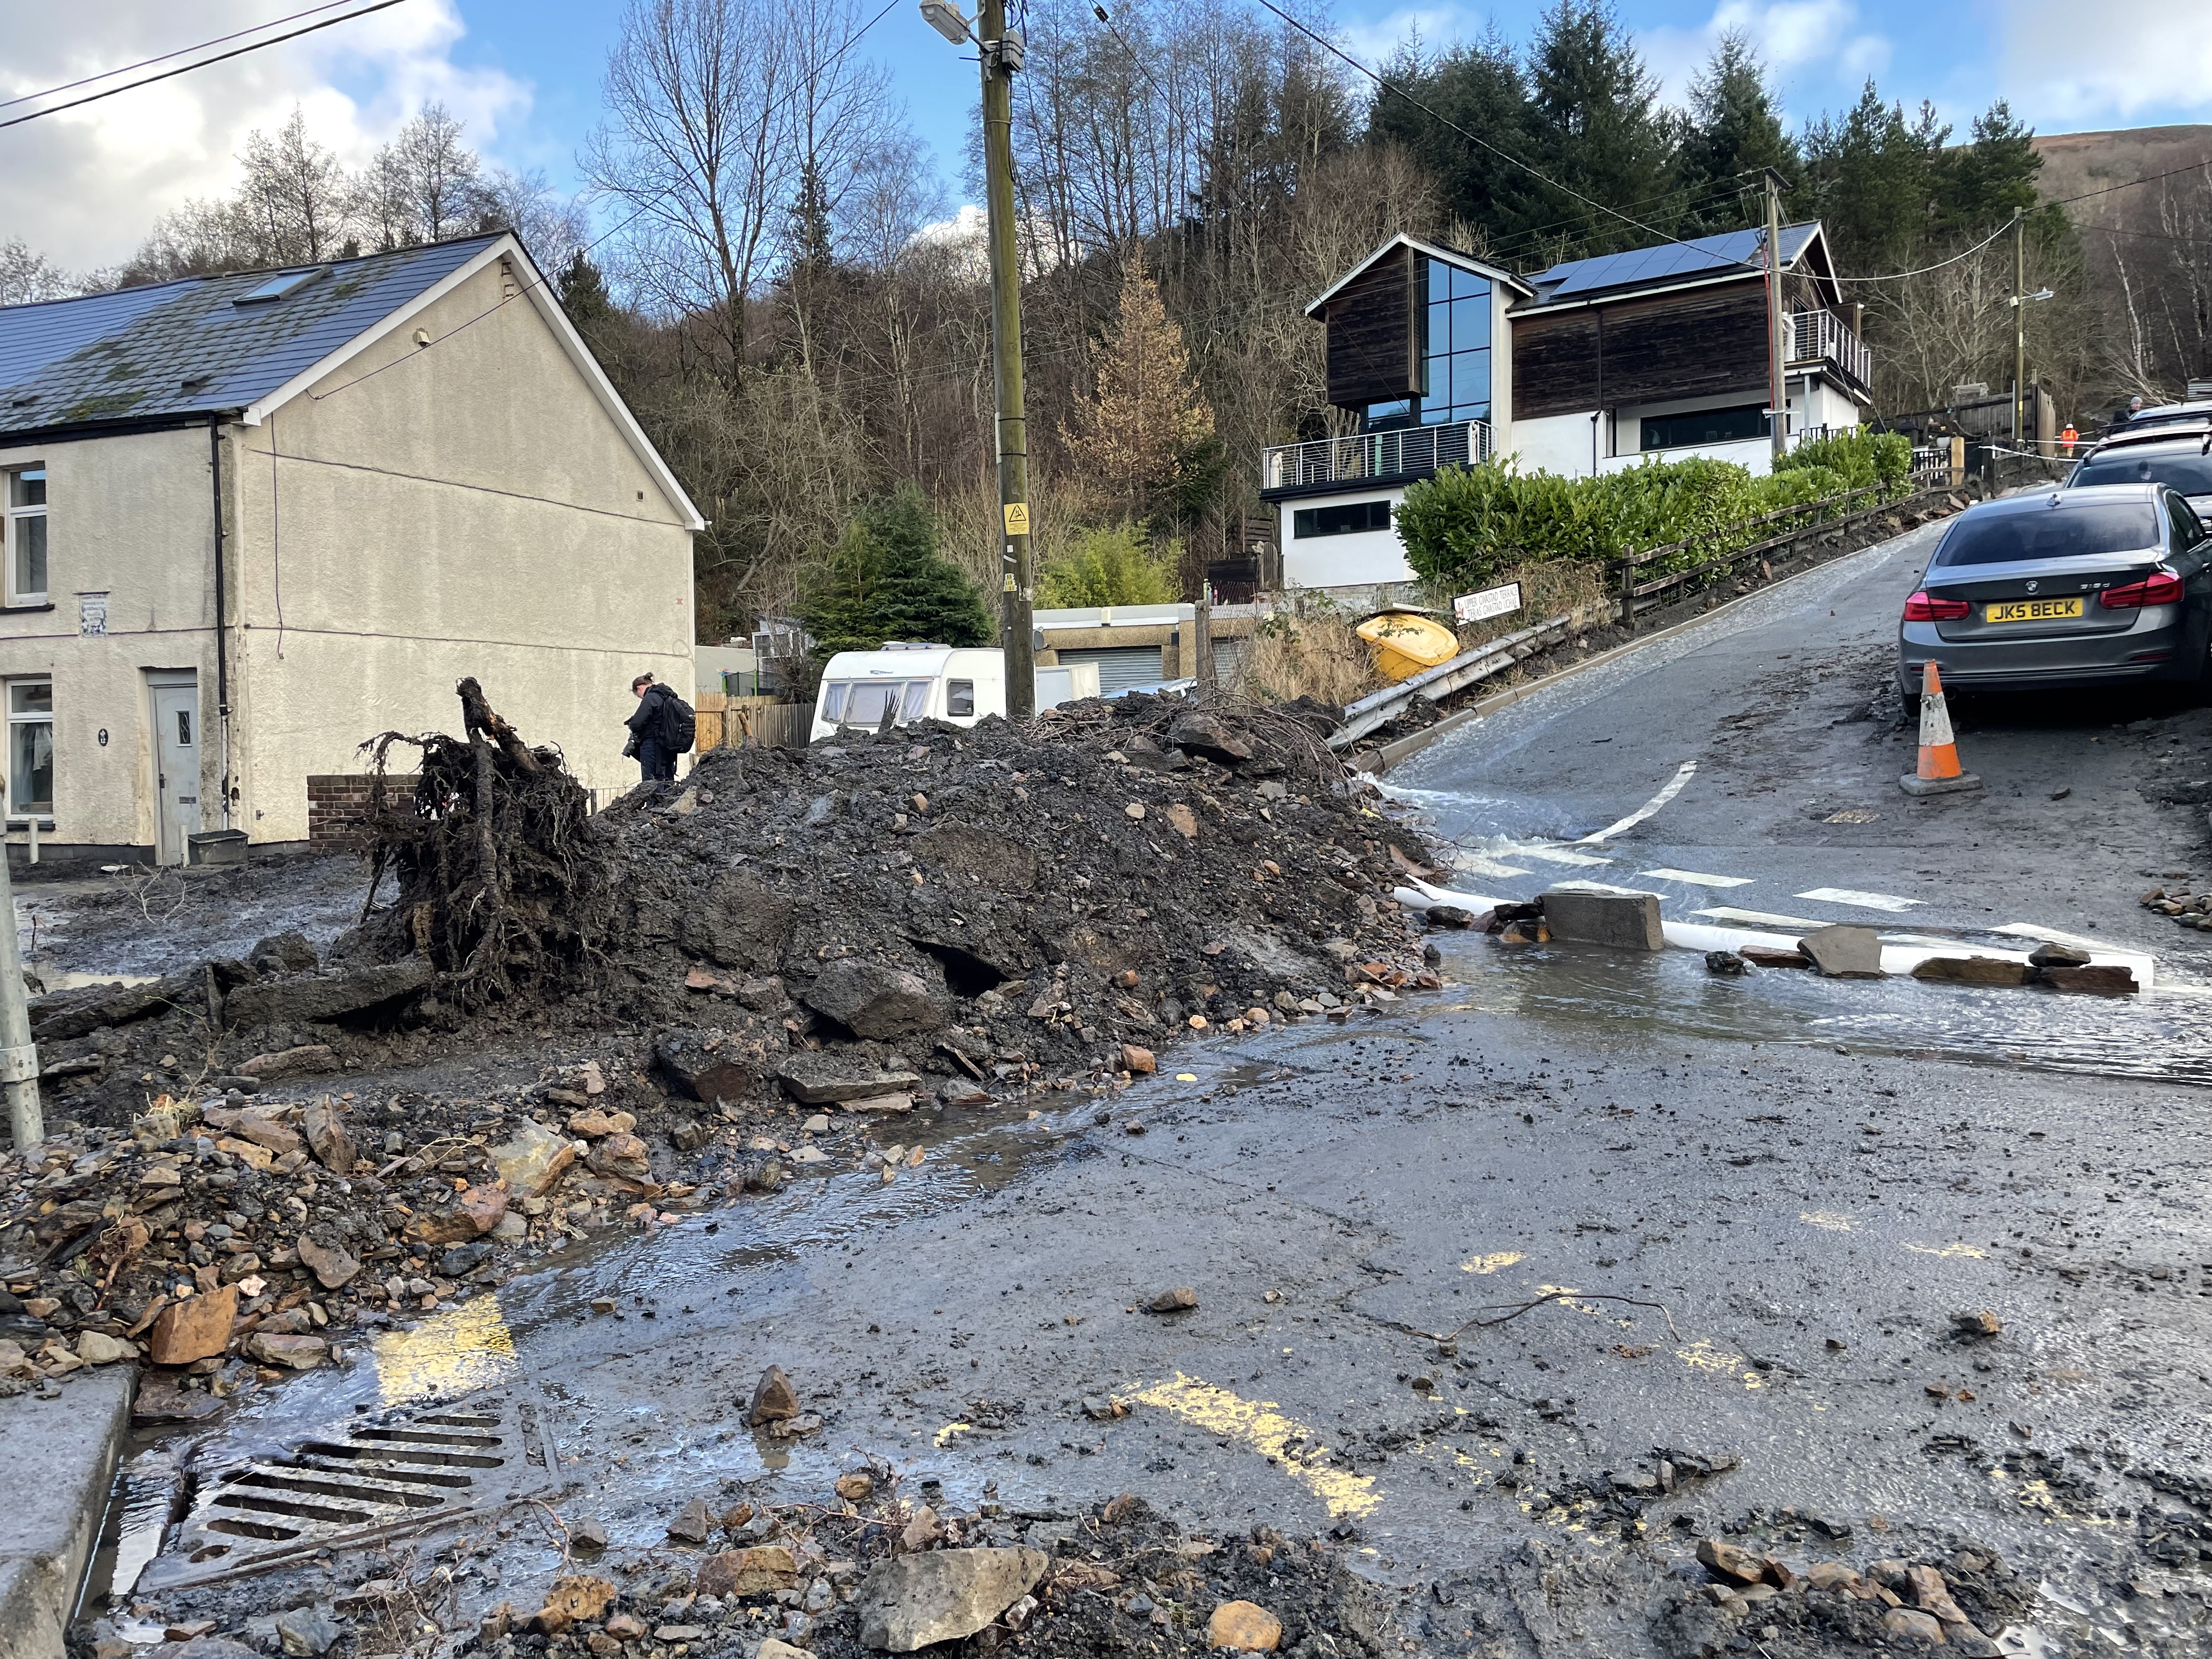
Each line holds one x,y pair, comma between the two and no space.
176,765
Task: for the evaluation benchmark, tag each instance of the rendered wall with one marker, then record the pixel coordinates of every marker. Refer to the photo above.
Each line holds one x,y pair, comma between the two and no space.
1358,560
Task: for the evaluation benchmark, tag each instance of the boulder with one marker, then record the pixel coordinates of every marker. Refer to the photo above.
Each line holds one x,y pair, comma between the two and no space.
475,1212
1626,921
2107,979
1844,951
1728,1561
824,1078
874,999
576,1598
534,1160
712,1065
2058,956
910,1601
1136,1061
300,1354
774,1398
290,1062
1211,735
333,1265
96,1348
621,1157
198,1327
1971,970
323,996
1245,1627
1724,962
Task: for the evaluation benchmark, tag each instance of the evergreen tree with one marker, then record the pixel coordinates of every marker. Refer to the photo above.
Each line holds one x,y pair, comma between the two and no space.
1978,185
1599,126
1481,89
583,293
1733,131
1871,178
884,580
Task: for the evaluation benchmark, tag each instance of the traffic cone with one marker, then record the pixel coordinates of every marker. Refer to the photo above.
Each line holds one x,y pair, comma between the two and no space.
1940,772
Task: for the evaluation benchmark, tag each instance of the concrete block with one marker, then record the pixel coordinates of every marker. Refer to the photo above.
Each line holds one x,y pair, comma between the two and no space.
1844,951
59,1455
1626,921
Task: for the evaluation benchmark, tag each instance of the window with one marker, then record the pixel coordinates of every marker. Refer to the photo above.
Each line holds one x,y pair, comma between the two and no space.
960,697
2188,471
1348,519
2187,533
1704,426
833,700
869,700
914,702
2064,532
26,536
1455,346
30,747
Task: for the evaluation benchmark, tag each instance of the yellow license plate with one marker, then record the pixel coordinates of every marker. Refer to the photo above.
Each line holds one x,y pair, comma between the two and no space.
2013,611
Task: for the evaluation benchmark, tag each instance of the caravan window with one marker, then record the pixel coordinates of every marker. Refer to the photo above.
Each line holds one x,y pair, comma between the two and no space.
869,698
833,700
960,697
916,700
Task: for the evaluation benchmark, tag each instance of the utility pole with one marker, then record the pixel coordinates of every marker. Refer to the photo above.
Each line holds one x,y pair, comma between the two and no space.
2019,319
1777,321
1002,56
19,1058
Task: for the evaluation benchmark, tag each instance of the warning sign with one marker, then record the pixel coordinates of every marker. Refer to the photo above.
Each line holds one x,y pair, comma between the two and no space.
1017,517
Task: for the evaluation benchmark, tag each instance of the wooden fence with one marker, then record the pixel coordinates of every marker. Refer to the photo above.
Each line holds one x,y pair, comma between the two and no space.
734,722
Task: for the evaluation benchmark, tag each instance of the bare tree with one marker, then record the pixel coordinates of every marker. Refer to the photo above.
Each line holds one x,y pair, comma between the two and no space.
553,227
27,276
425,186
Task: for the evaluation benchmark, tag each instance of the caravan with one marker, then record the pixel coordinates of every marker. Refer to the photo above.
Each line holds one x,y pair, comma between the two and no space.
909,682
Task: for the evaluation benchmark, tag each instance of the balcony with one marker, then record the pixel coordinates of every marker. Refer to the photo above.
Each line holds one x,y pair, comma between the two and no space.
1818,337
1394,456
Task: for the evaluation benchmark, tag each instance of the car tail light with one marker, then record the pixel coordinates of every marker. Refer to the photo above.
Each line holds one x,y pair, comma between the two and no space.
2162,588
1924,606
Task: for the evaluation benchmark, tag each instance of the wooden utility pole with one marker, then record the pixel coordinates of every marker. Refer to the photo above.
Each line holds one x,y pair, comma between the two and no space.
1002,56
1777,321
2019,319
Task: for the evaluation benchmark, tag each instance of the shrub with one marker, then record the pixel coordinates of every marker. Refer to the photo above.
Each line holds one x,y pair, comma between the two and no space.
884,580
1111,566
1859,457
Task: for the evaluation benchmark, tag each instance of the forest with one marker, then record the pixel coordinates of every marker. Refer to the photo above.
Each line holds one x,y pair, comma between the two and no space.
763,259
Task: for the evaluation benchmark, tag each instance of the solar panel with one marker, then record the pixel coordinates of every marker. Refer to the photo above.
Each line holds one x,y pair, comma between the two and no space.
1640,267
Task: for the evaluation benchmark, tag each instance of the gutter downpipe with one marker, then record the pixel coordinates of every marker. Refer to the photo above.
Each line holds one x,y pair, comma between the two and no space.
222,616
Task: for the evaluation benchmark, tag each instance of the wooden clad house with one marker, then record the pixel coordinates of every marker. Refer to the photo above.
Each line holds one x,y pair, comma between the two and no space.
1439,359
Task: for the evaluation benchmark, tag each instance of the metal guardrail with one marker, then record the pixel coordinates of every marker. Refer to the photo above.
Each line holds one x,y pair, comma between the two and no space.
1821,335
1406,452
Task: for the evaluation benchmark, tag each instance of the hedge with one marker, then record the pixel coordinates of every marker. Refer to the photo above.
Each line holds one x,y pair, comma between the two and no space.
1466,523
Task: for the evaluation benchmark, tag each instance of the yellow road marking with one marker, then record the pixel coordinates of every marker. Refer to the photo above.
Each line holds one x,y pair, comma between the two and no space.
1702,1355
1268,1431
1492,1262
469,1347
1827,1219
951,1432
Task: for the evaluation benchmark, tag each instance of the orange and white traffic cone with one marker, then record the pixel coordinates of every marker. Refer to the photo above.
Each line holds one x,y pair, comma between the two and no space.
1940,773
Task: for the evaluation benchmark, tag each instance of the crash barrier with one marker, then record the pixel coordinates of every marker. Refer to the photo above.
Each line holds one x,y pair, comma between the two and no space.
1468,668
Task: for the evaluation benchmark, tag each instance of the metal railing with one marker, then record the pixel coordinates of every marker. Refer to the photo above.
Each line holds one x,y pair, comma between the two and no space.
1407,452
1818,336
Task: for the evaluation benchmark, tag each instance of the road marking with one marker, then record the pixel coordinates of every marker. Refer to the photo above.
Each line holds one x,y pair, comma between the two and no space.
1858,900
1971,1252
1697,880
1688,770
1474,864
951,1432
1703,1355
1827,1219
1265,1430
2052,936
1549,855
1757,918
1493,1261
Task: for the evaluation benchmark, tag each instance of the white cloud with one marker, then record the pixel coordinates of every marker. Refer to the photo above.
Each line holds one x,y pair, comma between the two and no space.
1374,43
1814,39
2133,58
84,187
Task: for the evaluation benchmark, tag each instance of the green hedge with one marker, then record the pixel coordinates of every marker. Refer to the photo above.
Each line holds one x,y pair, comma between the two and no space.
1466,523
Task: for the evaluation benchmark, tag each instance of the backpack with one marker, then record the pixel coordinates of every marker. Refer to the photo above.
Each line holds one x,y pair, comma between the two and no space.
679,724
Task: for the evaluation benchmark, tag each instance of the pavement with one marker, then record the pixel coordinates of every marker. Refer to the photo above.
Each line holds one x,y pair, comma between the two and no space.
1466,1267
58,1455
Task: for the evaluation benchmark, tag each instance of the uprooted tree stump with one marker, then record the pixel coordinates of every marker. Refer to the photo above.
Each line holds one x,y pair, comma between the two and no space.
505,881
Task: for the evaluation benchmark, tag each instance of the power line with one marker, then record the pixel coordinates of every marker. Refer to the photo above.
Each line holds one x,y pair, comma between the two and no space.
147,63
186,69
1899,275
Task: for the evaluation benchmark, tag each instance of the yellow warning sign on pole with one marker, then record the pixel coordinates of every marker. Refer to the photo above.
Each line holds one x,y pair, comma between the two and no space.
1017,517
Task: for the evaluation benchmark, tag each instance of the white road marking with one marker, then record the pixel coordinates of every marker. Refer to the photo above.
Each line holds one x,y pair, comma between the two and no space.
1474,864
1697,880
1689,770
1858,900
1757,918
1556,855
2052,936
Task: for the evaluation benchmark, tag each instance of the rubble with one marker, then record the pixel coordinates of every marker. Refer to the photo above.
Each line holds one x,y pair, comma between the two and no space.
1844,951
911,1601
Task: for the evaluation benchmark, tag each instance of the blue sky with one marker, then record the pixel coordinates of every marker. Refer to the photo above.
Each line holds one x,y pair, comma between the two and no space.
524,73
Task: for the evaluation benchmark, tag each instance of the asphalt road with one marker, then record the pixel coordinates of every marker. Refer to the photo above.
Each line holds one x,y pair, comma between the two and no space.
1734,1217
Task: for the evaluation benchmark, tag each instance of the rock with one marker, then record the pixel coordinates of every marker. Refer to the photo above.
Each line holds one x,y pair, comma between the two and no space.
266,1132
300,1354
593,1124
1844,951
587,1535
534,1160
761,1571
1724,962
1730,1561
874,999
287,952
474,1213
625,1627
324,1124
1971,970
1914,1626
296,1001
160,1400
202,1647
576,1598
1833,1575
738,923
333,1265
1244,1626
1211,735
897,1102
512,1229
1977,1322
198,1327
306,1633
1626,921
621,1155
2049,955
1173,1300
711,1065
856,1488
2106,980
824,1079
694,1525
774,1398
1138,1061
462,1258
1182,821
909,1601
1762,955
1931,1594
290,1062
96,1349
1449,916
772,1649
921,1531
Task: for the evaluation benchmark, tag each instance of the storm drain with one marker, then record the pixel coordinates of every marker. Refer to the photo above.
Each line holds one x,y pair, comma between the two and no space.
374,1475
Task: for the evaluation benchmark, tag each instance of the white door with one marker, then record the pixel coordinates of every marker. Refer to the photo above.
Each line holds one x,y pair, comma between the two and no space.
176,767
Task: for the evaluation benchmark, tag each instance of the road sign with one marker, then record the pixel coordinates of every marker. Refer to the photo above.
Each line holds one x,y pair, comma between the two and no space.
1491,602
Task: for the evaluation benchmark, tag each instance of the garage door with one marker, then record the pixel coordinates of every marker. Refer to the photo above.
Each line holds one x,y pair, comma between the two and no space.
1120,666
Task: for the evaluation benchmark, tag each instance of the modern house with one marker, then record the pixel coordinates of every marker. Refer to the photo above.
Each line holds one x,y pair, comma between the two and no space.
1436,358
253,521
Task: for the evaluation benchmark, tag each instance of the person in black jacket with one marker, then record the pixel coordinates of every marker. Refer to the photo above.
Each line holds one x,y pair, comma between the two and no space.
649,730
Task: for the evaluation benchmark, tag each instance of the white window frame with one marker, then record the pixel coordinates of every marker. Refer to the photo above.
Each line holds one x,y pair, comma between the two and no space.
15,515
16,814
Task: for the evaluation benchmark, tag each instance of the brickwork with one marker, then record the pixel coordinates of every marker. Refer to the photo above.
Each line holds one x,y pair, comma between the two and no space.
338,804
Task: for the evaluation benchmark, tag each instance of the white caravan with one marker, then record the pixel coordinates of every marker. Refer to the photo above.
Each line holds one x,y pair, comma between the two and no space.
931,682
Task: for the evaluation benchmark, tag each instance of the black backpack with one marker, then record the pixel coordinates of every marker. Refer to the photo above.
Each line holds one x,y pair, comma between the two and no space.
679,724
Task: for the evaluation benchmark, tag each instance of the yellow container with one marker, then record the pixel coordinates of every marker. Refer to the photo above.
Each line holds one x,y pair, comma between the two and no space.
1407,643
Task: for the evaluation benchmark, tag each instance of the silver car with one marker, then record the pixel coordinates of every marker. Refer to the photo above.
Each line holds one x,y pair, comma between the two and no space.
2166,457
2099,585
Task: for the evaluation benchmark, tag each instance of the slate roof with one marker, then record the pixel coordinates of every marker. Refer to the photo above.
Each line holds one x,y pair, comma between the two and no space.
141,354
1735,251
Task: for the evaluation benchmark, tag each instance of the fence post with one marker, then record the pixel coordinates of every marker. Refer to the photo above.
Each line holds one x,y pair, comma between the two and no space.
1628,594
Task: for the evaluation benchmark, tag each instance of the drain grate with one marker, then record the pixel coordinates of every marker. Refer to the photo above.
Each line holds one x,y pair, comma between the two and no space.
374,1475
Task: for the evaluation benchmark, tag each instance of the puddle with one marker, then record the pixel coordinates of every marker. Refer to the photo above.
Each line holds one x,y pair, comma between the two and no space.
140,1504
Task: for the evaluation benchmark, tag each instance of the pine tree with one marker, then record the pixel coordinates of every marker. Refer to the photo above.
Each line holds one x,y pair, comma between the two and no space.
1481,89
884,580
1871,177
1600,128
1137,434
1733,132
1978,185
583,293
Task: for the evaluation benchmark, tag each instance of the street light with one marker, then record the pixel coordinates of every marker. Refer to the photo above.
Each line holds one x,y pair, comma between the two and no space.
944,17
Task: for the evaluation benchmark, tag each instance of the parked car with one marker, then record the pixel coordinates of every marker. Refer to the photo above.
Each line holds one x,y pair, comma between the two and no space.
2183,463
2102,584
909,682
